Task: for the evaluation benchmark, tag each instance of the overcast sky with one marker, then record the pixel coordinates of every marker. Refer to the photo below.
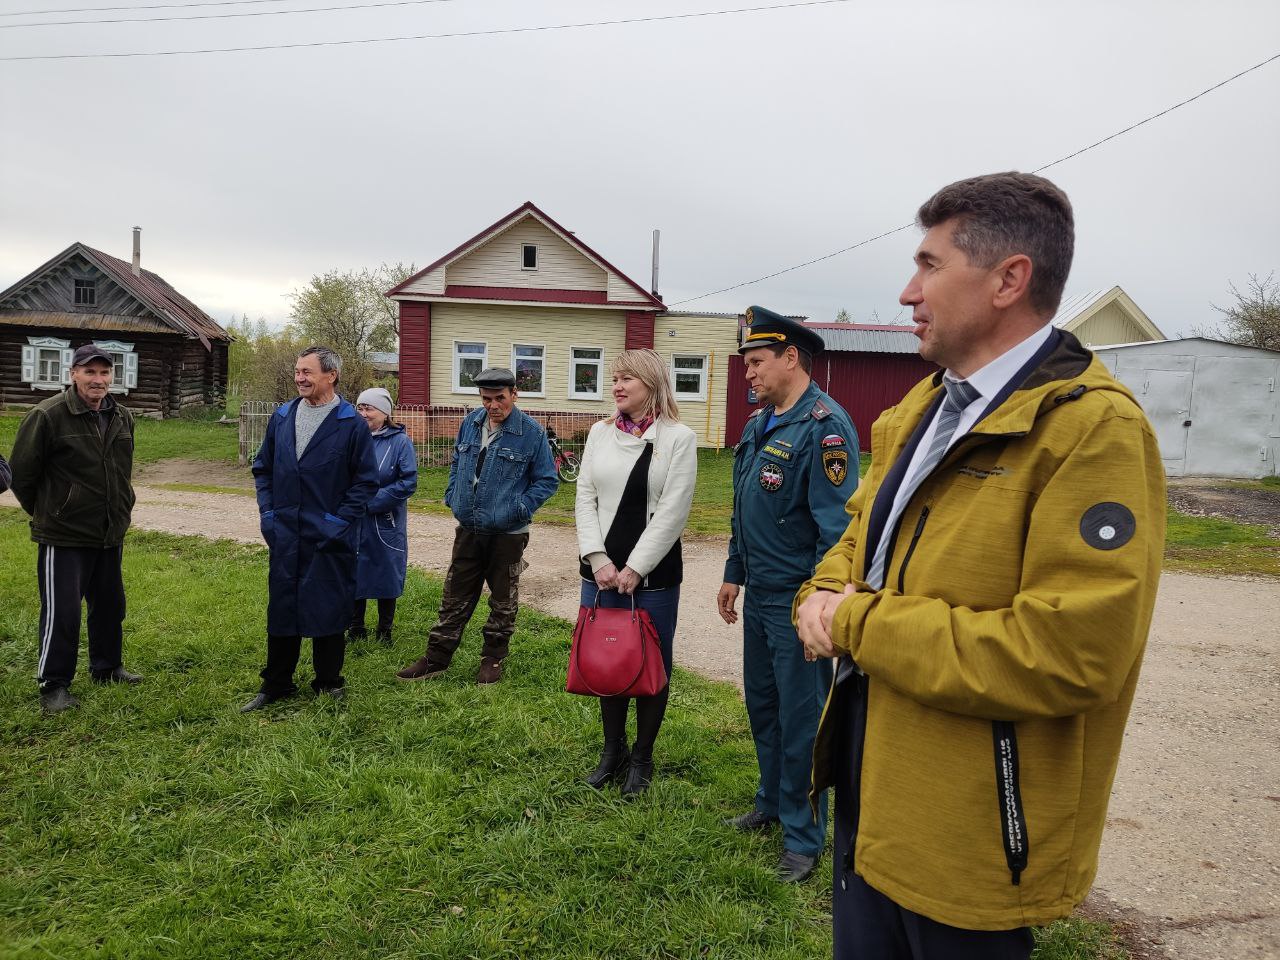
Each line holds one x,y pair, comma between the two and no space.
754,141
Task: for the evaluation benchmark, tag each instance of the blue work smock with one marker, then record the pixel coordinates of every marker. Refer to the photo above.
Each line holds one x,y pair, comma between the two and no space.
790,486
384,540
311,511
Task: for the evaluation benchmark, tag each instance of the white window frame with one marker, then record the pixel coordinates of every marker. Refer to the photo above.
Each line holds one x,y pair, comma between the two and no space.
523,248
702,376
455,387
124,364
31,362
543,360
573,380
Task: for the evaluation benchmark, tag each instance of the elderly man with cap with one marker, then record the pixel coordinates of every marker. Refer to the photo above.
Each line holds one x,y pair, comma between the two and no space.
72,462
501,473
794,468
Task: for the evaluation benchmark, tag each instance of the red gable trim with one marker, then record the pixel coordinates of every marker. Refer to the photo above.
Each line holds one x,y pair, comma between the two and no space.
528,207
525,293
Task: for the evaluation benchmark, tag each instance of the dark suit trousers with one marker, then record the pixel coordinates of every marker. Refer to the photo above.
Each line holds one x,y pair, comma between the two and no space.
327,655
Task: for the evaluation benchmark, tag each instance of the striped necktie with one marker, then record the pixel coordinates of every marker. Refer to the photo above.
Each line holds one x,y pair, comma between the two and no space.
959,395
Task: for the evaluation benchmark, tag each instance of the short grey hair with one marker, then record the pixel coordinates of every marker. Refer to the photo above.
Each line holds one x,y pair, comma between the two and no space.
329,361
1002,214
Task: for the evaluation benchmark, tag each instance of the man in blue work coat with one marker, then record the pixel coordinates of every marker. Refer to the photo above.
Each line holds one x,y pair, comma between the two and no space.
315,473
793,470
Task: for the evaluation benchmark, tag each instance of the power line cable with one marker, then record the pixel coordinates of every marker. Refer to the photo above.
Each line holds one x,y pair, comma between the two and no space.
224,16
905,226
150,6
429,36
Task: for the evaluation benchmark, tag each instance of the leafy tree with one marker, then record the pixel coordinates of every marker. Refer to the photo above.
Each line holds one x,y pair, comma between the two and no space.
843,316
1254,319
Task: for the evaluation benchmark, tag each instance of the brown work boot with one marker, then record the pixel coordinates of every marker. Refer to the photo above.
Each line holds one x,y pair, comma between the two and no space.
421,669
490,671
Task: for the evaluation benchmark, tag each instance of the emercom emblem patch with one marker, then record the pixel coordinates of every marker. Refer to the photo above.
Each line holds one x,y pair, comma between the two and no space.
835,464
771,477
1106,526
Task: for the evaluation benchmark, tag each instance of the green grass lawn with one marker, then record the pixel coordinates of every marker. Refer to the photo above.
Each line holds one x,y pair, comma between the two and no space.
178,438
435,819
1211,545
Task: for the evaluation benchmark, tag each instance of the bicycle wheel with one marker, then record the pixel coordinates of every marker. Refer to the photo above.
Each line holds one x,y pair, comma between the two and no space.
567,468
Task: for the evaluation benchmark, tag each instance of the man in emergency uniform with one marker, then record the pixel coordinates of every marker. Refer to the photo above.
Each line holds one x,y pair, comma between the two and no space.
795,467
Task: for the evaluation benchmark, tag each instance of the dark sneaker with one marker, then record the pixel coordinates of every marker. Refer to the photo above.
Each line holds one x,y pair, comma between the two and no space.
490,671
56,699
336,693
118,675
421,669
383,637
795,867
747,822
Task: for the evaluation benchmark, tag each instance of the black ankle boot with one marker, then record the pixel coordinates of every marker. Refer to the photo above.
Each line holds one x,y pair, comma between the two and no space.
612,765
639,776
383,636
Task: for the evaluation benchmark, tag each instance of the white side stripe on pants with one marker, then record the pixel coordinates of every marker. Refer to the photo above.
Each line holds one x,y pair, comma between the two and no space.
46,631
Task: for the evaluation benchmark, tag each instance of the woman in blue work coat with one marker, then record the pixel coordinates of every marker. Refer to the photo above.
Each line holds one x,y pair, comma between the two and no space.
384,543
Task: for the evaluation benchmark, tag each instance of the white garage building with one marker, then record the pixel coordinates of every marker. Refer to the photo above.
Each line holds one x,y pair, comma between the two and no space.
1215,406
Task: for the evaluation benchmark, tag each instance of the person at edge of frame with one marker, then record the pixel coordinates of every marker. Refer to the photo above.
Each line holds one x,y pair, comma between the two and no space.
315,475
383,559
989,602
501,473
793,471
72,464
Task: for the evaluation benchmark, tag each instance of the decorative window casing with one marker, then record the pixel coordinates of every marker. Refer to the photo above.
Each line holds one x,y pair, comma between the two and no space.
586,373
689,375
528,361
124,364
469,358
528,256
46,363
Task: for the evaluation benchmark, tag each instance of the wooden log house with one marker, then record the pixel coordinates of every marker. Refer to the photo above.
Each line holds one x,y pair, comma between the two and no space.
169,354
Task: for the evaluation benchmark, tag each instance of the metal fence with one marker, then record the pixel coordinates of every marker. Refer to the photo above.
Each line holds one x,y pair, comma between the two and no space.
432,429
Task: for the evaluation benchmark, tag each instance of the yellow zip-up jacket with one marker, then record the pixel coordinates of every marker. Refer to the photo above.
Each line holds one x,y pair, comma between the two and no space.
1001,657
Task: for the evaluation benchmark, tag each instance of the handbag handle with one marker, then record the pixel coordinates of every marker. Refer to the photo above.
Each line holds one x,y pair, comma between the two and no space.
644,654
595,605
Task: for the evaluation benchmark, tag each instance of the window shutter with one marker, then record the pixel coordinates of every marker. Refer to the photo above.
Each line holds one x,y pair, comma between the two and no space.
67,357
28,364
130,371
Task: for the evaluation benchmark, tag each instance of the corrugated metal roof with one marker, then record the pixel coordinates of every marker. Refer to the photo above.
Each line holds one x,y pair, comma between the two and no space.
1072,307
153,290
862,338
84,321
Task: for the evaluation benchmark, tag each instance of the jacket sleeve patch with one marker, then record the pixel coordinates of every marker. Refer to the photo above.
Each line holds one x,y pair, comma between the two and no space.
1106,526
835,464
833,440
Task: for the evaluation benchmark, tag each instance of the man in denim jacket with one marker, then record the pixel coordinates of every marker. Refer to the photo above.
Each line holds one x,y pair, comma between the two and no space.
501,473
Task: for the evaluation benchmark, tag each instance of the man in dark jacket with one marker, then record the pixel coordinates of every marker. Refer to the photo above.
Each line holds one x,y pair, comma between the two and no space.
315,473
502,472
72,460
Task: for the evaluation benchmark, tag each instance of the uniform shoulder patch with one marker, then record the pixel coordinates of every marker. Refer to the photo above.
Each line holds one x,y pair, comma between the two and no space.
1106,526
820,410
835,464
833,440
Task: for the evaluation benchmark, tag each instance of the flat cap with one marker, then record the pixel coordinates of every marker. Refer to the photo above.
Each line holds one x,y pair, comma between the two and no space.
494,378
90,351
764,328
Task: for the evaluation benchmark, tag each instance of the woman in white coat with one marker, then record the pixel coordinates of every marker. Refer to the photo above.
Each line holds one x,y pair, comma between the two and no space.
634,493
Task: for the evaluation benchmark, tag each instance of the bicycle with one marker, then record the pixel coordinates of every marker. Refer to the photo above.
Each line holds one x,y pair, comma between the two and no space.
566,461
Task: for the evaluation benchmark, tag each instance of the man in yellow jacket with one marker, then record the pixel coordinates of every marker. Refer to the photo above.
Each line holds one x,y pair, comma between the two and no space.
989,601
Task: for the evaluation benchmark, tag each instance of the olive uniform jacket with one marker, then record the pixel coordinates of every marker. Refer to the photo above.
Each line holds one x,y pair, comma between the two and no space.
1001,657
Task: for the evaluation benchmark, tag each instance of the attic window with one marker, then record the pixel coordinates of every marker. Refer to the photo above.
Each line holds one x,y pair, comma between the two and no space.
529,256
86,293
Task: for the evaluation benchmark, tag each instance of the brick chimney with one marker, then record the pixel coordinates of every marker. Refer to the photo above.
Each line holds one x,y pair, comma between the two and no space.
137,251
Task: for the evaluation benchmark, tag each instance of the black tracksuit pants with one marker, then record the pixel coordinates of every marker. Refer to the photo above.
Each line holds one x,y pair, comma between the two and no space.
69,576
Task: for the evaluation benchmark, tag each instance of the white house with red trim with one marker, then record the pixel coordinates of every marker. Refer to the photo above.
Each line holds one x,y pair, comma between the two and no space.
526,293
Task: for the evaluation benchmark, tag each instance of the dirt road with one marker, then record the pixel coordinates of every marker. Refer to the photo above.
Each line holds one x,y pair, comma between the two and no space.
1191,859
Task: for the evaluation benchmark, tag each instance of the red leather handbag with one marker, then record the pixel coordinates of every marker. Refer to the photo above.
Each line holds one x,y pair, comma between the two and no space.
615,653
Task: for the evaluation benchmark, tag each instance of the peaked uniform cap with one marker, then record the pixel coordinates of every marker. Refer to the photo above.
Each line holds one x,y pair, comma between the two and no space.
765,328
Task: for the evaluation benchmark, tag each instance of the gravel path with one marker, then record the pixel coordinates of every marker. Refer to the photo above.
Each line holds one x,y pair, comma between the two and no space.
1191,860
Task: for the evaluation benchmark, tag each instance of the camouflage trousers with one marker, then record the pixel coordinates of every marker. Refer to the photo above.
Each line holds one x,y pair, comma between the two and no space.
479,558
